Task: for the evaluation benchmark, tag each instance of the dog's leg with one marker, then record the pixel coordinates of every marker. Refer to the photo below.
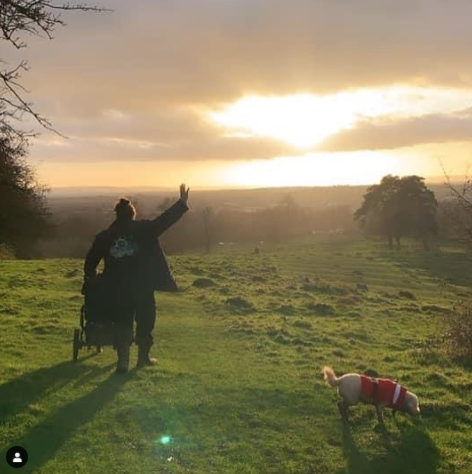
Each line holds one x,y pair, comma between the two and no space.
343,409
379,410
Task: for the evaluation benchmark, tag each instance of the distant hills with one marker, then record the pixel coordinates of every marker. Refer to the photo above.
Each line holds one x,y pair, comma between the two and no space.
242,198
133,190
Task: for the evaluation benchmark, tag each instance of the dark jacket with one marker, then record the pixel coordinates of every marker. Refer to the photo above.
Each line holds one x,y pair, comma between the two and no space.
132,255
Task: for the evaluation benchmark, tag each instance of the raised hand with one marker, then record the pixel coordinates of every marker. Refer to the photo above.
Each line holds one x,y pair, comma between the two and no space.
184,193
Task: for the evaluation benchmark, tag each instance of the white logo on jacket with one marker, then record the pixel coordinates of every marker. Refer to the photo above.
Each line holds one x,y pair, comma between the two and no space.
123,247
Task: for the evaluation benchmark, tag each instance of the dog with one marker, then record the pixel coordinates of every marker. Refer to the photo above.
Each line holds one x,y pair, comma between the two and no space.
383,393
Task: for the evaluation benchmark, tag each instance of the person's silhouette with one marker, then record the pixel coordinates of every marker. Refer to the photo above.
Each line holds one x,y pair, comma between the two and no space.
17,458
134,266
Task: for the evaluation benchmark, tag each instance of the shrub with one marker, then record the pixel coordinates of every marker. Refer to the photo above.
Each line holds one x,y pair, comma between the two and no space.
459,331
6,252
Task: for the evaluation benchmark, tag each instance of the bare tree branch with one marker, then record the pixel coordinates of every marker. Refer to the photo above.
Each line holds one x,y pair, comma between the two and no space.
460,211
20,18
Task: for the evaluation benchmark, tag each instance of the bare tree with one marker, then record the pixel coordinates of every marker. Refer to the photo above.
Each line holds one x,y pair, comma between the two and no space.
459,208
18,20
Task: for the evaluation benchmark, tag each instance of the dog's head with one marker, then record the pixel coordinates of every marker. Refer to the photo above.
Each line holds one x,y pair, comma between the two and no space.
411,404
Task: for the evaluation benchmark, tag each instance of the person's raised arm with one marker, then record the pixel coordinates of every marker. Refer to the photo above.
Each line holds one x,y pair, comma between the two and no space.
171,215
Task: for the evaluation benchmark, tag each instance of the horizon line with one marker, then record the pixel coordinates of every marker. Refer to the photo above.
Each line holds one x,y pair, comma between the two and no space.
145,188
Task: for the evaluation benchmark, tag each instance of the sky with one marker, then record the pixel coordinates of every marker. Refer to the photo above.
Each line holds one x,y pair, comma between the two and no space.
234,93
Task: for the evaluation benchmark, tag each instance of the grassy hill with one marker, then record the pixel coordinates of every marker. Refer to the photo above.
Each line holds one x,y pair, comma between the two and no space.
238,388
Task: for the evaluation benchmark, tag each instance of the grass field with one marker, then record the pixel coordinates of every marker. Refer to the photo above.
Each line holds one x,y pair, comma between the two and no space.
238,388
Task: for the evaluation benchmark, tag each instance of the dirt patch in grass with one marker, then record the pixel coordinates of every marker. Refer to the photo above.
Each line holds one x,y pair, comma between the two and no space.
240,304
258,279
72,273
339,353
204,283
286,309
302,324
351,299
320,309
324,289
406,294
196,270
434,309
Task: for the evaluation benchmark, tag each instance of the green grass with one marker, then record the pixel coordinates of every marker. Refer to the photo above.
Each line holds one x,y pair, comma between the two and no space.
238,388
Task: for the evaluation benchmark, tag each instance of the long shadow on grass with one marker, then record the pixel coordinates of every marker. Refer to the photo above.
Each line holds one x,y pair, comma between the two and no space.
20,394
412,452
45,439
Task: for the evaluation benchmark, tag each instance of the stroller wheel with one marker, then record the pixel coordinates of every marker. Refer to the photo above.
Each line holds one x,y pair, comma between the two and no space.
76,345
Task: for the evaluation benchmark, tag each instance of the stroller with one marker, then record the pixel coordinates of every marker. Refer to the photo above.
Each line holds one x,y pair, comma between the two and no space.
96,321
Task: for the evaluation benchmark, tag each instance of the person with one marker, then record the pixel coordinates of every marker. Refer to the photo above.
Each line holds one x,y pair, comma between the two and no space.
134,266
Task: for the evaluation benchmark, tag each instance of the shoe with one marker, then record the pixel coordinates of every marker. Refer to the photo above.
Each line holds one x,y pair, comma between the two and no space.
144,360
122,365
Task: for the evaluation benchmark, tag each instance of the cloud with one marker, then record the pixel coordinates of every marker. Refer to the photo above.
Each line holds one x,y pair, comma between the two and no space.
146,54
172,133
391,133
154,62
177,136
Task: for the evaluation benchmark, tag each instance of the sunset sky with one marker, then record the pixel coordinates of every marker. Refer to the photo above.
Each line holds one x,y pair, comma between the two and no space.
220,93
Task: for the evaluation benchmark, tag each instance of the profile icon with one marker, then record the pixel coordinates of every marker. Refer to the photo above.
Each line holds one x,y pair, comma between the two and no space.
17,456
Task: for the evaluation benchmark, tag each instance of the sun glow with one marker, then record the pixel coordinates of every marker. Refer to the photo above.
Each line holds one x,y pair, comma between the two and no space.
305,120
300,120
315,170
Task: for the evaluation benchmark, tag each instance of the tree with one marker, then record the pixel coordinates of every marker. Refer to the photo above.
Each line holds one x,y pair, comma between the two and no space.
23,213
457,209
23,210
399,207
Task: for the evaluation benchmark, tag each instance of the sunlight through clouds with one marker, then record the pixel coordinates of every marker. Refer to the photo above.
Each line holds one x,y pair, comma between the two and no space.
305,120
213,85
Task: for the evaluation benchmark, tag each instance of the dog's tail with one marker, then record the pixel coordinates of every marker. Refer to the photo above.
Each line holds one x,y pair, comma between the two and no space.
330,377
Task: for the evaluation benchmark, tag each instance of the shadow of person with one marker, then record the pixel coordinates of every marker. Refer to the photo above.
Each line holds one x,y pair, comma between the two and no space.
46,438
17,395
410,452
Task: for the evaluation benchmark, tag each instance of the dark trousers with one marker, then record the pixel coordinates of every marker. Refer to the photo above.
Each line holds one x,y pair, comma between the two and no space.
139,305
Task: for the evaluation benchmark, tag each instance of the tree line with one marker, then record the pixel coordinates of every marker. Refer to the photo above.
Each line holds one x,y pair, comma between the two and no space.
396,208
204,228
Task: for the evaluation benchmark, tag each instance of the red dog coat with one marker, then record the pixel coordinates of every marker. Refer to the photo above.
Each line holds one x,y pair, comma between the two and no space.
383,392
